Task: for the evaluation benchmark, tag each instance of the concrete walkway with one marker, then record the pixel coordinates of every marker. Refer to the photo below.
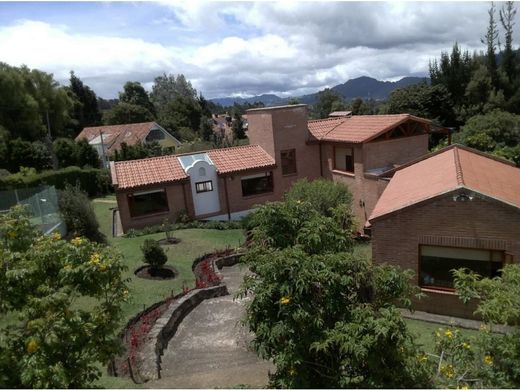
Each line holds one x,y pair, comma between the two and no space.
210,348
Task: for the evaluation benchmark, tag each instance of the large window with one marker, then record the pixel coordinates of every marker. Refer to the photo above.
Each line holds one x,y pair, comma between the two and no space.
257,184
437,263
288,161
344,159
204,186
147,202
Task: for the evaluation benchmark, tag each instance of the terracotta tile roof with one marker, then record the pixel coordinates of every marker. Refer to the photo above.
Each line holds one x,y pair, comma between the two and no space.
357,128
114,135
444,171
240,158
147,171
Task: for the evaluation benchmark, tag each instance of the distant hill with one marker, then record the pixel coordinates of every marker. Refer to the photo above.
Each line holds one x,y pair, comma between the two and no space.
363,87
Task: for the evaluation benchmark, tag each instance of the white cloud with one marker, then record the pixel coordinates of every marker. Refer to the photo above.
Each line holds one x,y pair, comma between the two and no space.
288,48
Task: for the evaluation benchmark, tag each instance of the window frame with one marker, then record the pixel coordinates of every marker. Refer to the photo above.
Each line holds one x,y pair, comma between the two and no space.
269,190
204,185
131,203
434,287
291,164
351,156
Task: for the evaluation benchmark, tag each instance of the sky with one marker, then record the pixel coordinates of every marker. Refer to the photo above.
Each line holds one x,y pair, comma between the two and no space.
288,48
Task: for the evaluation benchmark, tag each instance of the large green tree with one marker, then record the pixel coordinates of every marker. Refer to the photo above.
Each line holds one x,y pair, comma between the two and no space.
328,101
134,93
85,111
123,113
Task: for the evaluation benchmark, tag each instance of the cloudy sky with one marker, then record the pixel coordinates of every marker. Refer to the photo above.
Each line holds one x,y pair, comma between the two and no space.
236,48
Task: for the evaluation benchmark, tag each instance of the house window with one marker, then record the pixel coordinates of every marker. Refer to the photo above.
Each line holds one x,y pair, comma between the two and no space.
436,264
344,159
257,184
204,186
155,135
147,202
288,161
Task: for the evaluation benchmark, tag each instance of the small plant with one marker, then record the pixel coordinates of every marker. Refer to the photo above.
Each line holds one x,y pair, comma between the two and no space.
168,227
153,253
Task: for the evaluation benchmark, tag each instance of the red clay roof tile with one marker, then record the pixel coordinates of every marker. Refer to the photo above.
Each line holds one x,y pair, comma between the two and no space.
357,128
147,171
444,171
240,158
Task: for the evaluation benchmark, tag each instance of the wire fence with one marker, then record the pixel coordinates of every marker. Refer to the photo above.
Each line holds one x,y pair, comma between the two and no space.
42,203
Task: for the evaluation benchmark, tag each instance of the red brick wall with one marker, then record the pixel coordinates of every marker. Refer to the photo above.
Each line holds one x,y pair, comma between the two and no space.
395,151
480,223
176,203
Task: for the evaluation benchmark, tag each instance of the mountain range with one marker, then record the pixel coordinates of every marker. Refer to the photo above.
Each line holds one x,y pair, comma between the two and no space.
363,87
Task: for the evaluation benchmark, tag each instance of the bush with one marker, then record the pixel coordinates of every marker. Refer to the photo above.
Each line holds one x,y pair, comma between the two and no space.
218,225
93,181
153,253
324,195
78,214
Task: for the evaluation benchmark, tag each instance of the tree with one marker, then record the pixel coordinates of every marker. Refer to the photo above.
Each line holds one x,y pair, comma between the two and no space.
66,152
54,341
85,111
86,154
491,41
238,128
78,214
123,113
134,93
180,112
168,87
138,150
206,128
508,65
427,101
28,154
293,100
328,100
153,253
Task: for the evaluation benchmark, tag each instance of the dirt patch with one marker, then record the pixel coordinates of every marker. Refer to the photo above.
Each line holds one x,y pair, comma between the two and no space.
163,273
169,241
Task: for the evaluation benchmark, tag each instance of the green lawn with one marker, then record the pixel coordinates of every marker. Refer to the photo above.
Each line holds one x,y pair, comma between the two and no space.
143,292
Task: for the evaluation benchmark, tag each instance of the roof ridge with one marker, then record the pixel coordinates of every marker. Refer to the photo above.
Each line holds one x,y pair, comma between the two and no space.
458,167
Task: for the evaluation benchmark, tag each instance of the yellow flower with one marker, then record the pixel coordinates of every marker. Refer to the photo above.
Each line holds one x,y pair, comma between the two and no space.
56,236
484,328
285,300
464,387
448,333
95,258
488,360
103,267
67,266
125,294
466,345
448,371
422,358
12,234
32,346
76,241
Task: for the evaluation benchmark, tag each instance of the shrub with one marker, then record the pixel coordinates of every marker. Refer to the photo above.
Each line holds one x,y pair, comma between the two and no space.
93,181
324,195
153,253
78,214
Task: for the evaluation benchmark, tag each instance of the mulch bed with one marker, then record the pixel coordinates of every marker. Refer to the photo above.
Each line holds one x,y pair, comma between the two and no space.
164,273
171,241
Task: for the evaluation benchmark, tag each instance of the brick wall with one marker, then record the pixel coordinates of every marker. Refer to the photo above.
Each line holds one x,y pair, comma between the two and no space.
481,223
395,151
177,202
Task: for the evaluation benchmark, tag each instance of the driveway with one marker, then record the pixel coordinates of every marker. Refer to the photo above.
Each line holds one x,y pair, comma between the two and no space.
210,348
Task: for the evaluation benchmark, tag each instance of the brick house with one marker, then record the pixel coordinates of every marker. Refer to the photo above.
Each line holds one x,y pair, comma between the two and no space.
285,146
454,208
107,139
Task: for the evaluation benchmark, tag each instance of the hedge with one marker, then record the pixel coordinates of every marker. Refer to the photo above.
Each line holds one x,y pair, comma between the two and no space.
91,180
218,225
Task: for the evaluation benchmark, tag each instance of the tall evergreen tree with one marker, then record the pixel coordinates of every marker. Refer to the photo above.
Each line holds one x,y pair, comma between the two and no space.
85,111
507,16
492,41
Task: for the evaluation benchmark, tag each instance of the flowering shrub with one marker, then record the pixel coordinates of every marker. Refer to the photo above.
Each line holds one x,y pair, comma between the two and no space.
67,296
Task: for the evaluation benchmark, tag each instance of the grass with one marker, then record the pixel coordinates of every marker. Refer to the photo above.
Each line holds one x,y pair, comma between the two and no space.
424,333
144,292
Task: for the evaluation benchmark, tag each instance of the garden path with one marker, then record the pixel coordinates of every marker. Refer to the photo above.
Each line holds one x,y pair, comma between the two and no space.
210,347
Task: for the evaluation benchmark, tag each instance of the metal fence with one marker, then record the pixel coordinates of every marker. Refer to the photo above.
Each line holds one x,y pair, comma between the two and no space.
42,203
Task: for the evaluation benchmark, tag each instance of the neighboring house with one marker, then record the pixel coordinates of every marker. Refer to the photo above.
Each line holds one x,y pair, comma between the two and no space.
454,208
285,146
107,139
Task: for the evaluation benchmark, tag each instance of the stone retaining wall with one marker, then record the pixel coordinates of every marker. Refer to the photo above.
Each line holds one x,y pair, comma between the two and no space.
149,357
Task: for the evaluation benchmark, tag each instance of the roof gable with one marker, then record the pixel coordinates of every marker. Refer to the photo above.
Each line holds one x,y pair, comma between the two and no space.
357,128
447,170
